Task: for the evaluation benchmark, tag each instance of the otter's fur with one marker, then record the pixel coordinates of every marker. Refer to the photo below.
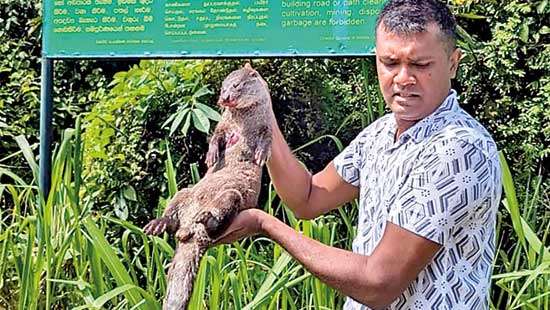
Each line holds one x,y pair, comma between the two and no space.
238,149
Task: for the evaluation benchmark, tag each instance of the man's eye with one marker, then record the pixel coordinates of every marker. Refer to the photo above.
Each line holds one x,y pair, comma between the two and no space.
421,65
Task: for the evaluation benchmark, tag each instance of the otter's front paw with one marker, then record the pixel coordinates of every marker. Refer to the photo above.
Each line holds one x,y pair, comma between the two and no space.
212,155
160,225
261,156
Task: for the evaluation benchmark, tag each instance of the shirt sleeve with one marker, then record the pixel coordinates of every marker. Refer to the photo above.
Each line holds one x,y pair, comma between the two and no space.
449,184
348,162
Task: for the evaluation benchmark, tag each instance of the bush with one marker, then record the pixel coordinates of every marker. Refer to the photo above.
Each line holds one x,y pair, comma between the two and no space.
504,77
76,83
128,130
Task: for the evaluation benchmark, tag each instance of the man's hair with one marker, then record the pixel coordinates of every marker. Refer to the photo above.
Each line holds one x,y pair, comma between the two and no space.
408,17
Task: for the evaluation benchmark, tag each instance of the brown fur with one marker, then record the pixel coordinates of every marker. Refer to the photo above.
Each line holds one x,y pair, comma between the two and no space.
238,148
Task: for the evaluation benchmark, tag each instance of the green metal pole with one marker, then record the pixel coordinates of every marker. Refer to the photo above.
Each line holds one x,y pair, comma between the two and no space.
46,112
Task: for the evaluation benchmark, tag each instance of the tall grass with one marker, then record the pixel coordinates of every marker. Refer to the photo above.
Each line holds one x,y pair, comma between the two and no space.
54,251
522,268
59,253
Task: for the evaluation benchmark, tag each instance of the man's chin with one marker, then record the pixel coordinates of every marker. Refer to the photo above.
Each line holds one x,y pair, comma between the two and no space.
400,108
404,117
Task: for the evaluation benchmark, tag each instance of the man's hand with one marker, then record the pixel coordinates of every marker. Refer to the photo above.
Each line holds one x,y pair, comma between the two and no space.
246,223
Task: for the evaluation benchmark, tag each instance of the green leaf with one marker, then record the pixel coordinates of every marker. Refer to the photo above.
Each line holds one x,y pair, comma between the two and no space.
177,120
269,284
28,154
121,208
541,269
26,284
12,175
169,120
200,121
471,16
464,35
82,285
334,139
195,175
96,270
524,32
144,90
101,300
130,193
110,259
534,242
168,85
186,125
542,6
201,92
210,113
511,200
170,173
199,288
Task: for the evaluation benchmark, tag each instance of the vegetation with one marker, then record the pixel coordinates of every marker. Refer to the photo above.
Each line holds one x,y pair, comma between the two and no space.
126,133
504,76
59,251
130,133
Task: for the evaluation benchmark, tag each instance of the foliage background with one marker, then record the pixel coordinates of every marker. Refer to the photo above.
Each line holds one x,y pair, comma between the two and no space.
130,121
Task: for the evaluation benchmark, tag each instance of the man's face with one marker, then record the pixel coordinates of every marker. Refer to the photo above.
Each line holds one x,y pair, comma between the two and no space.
414,72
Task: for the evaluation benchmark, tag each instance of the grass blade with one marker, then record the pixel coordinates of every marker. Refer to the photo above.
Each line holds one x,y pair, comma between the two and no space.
110,259
28,154
170,173
511,200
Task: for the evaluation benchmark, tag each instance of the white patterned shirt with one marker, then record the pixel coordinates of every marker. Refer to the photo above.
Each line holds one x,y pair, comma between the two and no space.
440,180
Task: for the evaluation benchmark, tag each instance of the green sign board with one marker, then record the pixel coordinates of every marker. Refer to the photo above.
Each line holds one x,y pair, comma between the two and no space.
196,28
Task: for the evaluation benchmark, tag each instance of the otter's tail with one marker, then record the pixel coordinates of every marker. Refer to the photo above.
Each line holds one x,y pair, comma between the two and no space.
181,275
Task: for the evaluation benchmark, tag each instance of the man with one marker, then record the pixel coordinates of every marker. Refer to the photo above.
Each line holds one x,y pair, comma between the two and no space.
427,177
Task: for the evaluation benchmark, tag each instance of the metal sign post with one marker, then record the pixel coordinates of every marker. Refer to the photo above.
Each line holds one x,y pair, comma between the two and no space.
46,110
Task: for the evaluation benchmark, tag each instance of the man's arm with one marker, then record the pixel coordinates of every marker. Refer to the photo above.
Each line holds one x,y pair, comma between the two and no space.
375,280
308,196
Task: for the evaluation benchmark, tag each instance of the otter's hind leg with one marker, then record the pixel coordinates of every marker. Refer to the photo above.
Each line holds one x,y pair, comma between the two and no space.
169,221
218,217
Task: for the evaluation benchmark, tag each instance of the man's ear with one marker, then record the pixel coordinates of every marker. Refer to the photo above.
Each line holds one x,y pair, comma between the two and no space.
456,55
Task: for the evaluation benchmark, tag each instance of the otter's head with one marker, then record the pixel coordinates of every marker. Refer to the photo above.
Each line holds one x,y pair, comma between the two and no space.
243,88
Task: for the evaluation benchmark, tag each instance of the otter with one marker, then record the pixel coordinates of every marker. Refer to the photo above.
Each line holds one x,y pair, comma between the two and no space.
238,148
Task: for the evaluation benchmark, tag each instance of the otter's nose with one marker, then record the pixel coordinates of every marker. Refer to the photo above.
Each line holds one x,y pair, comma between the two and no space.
224,97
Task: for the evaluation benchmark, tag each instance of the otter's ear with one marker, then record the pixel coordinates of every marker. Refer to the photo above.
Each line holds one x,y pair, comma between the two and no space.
252,72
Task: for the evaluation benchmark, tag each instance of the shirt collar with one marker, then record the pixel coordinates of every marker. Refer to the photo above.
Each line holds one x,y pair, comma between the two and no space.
429,124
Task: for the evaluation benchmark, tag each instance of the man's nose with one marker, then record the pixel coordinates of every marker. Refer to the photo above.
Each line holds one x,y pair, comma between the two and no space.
404,76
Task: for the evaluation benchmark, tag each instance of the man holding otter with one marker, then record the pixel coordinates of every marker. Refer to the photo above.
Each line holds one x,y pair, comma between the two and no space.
426,175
